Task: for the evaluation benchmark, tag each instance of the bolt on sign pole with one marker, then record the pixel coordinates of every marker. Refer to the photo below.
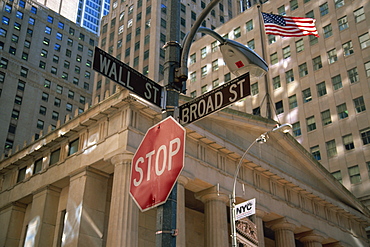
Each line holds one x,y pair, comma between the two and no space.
166,230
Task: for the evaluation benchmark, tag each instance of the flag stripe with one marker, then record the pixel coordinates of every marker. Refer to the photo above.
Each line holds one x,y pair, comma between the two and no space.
289,26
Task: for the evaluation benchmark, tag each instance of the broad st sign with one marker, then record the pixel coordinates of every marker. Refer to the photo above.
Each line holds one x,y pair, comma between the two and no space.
215,99
127,77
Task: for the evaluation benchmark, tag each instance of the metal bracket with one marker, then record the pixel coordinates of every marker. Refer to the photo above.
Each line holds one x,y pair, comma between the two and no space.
173,232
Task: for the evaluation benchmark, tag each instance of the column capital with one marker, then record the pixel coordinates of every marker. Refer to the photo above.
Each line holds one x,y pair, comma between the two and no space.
211,194
121,158
311,236
183,180
282,224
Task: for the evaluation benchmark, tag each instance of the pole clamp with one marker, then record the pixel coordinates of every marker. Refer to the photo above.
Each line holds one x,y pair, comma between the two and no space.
173,232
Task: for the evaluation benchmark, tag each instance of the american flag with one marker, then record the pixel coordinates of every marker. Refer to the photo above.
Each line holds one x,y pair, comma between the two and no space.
289,26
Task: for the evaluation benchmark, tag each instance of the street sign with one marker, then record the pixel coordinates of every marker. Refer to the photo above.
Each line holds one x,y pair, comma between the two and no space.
215,99
127,77
157,164
245,209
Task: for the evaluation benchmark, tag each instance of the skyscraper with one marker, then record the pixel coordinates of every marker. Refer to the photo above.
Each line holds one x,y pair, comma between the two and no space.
45,72
85,13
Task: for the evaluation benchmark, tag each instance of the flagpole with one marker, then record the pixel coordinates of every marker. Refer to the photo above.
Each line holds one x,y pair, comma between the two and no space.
268,106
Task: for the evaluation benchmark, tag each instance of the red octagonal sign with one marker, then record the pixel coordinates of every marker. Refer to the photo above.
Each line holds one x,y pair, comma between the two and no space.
157,164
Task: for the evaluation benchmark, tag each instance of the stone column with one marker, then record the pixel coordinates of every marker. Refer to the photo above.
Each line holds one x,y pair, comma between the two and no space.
216,227
43,216
181,237
124,213
86,205
284,235
12,218
259,224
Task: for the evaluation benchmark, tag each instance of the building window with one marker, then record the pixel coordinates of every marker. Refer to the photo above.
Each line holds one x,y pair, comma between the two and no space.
193,58
338,3
250,44
37,166
237,32
293,4
332,56
55,116
348,142
17,26
57,102
59,36
306,95
354,174
249,25
364,40
193,94
45,97
4,63
271,38
342,111
42,110
40,124
299,45
303,70
227,77
21,85
274,58
353,75
311,123
276,82
69,107
289,75
338,176
254,89
71,94
328,31
2,34
203,52
48,30
297,129
331,148
348,48
343,23
315,151
8,8
359,104
203,89
317,64
326,117
73,147
279,107
286,52
54,157
365,136
21,174
215,65
292,101
367,69
337,82
281,10
204,71
359,14
324,9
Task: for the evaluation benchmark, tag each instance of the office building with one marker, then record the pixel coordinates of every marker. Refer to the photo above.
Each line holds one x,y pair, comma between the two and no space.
319,85
45,72
85,13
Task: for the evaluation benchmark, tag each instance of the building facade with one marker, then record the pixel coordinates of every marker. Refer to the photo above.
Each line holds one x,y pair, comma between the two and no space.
71,186
85,13
45,72
319,85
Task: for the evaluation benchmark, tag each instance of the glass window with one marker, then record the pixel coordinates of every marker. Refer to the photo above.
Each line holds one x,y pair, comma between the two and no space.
315,151
306,95
292,101
289,75
21,172
332,56
37,166
19,14
33,10
57,102
279,107
317,64
54,157
359,14
249,25
45,97
40,124
353,75
338,3
359,104
337,82
326,117
331,148
348,142
254,89
324,9
46,41
293,4
47,83
343,23
215,65
342,111
57,47
274,58
50,19
18,100
276,82
364,40
365,136
237,32
17,26
204,71
55,116
348,48
59,36
203,52
69,107
337,175
297,129
286,52
328,31
2,34
299,45
8,8
354,174
73,147
42,110
24,72
311,123
303,70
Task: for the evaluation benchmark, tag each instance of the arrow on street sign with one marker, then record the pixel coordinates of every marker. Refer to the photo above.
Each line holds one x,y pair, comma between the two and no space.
215,99
127,77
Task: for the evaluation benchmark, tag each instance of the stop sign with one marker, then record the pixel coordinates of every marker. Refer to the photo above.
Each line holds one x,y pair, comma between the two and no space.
157,164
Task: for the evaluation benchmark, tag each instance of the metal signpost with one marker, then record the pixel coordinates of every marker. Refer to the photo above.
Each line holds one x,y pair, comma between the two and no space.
215,99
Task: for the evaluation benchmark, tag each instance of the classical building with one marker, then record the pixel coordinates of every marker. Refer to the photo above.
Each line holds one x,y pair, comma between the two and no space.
71,186
85,13
45,71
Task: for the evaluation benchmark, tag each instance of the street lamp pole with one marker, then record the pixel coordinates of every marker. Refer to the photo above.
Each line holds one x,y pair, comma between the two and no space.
261,139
